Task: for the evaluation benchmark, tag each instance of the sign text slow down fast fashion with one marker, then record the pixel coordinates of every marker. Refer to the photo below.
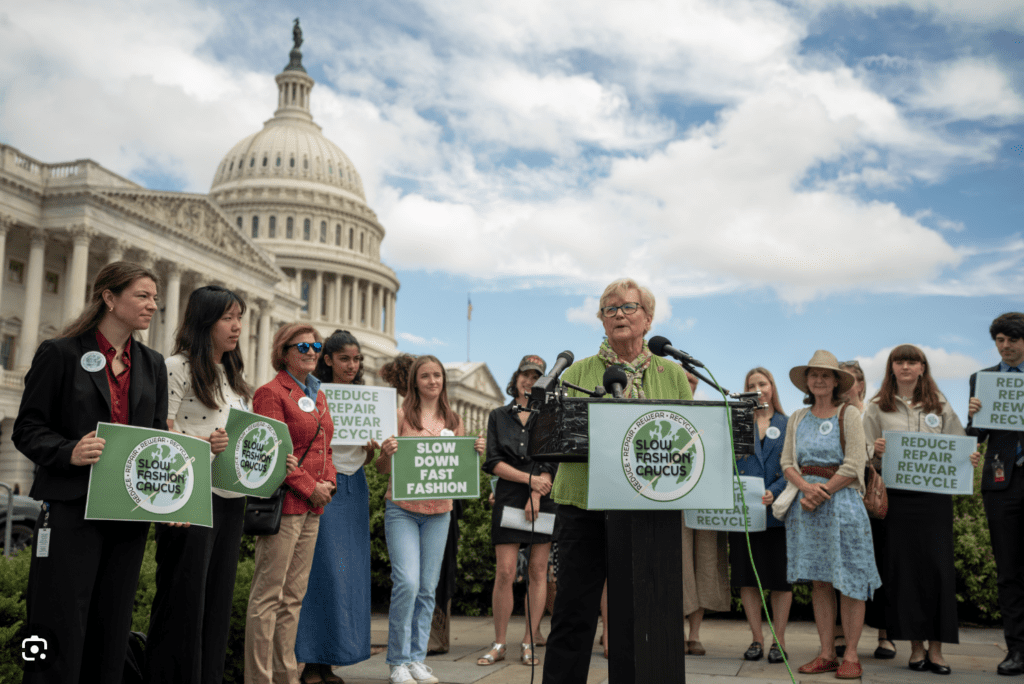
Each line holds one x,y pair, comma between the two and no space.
435,468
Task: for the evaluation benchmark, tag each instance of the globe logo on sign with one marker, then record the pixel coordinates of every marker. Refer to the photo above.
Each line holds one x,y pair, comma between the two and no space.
662,456
256,454
158,475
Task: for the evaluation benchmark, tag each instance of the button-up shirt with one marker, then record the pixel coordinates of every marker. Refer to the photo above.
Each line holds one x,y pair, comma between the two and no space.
508,440
119,384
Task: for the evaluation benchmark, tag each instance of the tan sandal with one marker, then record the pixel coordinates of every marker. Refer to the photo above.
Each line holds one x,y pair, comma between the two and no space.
496,653
528,658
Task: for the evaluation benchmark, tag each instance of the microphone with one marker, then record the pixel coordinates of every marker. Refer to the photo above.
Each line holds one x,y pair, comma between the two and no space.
547,383
614,381
660,346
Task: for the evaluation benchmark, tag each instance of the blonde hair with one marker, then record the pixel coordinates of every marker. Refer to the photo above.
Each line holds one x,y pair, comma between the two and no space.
622,285
776,404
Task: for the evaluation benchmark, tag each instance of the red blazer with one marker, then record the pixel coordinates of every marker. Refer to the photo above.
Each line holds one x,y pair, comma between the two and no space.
279,399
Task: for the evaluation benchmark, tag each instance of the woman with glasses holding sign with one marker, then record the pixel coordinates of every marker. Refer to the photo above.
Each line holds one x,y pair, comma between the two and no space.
334,625
919,576
283,560
523,490
196,566
416,530
828,538
82,580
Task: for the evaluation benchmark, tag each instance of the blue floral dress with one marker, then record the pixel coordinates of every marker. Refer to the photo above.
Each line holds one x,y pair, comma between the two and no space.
832,543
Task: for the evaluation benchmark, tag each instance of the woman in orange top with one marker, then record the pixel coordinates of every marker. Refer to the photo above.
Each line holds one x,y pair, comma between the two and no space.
416,530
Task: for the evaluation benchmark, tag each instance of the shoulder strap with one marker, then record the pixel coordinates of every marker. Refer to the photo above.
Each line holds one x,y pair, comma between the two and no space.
842,428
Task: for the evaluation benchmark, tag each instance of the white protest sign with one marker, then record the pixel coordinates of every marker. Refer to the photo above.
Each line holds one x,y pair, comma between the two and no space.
361,412
731,519
928,462
1002,401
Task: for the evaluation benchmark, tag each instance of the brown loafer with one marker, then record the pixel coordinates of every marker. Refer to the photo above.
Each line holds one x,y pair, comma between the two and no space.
849,671
695,648
819,665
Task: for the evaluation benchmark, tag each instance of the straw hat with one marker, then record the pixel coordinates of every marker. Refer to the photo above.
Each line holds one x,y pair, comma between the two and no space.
821,359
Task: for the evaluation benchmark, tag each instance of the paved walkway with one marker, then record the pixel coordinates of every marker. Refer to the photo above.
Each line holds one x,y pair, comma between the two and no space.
974,659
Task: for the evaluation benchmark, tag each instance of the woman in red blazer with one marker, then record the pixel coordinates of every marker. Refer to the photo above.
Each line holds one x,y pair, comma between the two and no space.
283,560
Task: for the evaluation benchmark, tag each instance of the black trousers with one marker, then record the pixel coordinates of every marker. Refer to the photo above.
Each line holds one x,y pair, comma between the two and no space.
195,586
582,568
1005,512
84,592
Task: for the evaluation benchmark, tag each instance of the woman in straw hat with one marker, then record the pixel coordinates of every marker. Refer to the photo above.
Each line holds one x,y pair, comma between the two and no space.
828,538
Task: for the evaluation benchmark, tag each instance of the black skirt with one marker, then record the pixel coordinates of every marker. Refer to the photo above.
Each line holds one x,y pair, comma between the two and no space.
769,550
919,575
516,495
877,606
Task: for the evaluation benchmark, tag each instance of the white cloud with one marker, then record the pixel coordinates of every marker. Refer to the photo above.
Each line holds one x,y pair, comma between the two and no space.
944,365
969,88
421,341
585,313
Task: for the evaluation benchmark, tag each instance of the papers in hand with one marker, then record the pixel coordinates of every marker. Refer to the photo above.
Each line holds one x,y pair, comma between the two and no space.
515,518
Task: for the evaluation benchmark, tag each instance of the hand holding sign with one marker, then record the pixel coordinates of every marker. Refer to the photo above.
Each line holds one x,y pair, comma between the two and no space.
88,450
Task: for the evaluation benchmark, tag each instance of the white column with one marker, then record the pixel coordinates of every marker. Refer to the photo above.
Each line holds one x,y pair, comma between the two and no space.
77,272
115,250
4,226
339,303
33,299
262,371
330,291
316,296
172,295
391,314
346,301
375,307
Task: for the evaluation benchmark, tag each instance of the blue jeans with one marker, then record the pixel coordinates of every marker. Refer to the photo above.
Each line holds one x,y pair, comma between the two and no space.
416,544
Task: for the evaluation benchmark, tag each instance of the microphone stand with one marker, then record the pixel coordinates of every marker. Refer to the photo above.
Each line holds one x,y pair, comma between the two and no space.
700,376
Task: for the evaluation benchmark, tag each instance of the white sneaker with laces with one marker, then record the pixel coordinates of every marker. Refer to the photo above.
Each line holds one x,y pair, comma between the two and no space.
421,673
400,675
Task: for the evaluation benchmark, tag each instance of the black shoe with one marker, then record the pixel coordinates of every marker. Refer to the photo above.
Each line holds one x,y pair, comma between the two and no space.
882,653
755,652
938,669
840,648
775,655
1013,665
919,666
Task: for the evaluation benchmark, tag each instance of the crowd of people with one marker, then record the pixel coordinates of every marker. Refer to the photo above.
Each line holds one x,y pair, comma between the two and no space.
893,572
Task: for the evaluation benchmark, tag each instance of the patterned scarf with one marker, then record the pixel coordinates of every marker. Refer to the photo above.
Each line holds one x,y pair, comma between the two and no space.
634,370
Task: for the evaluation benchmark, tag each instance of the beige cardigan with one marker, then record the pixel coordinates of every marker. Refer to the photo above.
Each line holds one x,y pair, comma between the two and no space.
855,456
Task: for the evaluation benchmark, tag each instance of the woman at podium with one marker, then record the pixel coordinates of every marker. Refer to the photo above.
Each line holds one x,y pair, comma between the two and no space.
626,310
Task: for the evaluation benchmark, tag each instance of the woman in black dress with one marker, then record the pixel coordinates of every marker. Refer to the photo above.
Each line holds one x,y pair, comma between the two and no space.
524,485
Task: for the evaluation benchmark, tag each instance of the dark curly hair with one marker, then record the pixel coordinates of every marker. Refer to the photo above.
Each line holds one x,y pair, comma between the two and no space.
396,372
1010,324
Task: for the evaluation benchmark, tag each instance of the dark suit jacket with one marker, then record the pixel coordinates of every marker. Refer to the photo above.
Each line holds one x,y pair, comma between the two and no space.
766,462
63,402
1002,444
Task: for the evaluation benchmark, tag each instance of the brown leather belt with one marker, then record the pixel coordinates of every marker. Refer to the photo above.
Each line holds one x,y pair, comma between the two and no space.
820,471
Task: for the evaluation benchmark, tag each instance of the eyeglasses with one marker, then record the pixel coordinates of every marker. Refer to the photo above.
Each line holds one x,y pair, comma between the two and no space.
850,364
629,308
304,347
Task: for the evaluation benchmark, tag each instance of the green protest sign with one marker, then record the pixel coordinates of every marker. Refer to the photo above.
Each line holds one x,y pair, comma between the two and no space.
435,468
731,519
1002,401
254,461
150,475
928,462
361,413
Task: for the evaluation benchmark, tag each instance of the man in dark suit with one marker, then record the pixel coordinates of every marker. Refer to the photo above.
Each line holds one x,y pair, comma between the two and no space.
1002,487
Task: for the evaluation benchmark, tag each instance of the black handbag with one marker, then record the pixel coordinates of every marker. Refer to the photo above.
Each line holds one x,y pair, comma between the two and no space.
263,516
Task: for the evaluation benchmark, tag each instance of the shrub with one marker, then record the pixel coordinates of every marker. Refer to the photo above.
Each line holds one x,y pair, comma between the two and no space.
13,585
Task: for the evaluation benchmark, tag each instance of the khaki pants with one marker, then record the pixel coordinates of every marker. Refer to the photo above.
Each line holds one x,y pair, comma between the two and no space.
279,583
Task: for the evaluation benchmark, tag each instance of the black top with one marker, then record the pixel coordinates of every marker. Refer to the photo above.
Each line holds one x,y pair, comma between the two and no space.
63,402
507,442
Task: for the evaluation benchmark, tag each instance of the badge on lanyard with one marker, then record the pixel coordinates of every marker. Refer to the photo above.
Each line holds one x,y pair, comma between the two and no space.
998,474
774,432
307,404
826,428
43,535
93,361
932,420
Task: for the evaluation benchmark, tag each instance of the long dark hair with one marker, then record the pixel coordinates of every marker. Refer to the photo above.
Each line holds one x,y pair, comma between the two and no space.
338,340
926,393
115,277
411,405
206,306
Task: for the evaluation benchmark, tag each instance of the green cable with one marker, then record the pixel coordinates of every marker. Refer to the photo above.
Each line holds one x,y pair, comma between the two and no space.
746,526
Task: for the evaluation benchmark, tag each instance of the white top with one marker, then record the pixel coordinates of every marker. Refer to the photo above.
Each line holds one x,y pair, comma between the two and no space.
348,458
189,414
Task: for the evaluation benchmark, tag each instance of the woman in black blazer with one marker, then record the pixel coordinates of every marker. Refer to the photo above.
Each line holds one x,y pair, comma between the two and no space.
84,573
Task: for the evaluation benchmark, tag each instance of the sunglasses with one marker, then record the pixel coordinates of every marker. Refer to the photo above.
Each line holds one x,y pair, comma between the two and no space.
304,347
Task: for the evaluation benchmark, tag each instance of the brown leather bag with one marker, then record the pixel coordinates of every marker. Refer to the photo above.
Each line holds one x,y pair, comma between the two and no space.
876,499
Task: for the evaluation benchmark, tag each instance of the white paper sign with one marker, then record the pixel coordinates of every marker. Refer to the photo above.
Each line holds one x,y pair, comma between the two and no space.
928,462
731,519
1002,401
361,412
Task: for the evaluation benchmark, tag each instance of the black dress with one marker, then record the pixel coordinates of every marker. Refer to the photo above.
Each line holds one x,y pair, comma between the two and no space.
507,441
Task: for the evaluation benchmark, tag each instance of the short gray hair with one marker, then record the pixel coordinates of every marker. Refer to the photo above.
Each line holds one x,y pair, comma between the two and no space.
617,287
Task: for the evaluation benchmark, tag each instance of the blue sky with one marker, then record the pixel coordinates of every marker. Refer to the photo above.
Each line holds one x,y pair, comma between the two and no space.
785,176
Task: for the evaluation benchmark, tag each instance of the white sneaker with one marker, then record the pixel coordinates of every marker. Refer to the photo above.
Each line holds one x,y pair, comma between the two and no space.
400,675
421,673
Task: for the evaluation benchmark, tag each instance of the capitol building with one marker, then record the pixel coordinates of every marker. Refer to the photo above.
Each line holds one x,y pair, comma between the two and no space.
285,225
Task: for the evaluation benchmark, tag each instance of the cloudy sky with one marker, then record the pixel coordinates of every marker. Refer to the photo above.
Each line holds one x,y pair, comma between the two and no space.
785,176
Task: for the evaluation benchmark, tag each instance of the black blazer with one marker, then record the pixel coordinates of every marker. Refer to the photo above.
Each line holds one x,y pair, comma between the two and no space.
63,402
1002,444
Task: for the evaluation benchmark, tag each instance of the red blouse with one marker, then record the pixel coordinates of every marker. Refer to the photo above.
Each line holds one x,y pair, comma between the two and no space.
119,384
279,399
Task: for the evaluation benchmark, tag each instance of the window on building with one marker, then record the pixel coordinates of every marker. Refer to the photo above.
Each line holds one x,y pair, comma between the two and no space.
288,231
305,163
362,236
252,162
264,161
323,231
15,271
52,283
351,238
278,160
305,229
255,226
7,343
362,308
291,162
305,296
272,228
239,221
232,166
337,235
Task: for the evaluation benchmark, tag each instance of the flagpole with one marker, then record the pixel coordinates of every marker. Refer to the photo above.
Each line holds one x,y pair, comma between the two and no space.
469,317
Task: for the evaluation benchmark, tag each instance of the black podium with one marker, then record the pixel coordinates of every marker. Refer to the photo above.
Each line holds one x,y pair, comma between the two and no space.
644,559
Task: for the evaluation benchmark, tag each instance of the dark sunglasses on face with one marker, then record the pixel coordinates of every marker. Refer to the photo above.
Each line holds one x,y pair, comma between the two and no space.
304,347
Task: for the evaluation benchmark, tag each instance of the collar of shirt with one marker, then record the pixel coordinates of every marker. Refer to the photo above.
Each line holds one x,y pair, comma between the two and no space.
311,386
108,351
1005,368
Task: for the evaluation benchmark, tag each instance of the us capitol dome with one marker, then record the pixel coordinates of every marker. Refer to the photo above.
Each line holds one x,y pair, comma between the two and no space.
299,197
